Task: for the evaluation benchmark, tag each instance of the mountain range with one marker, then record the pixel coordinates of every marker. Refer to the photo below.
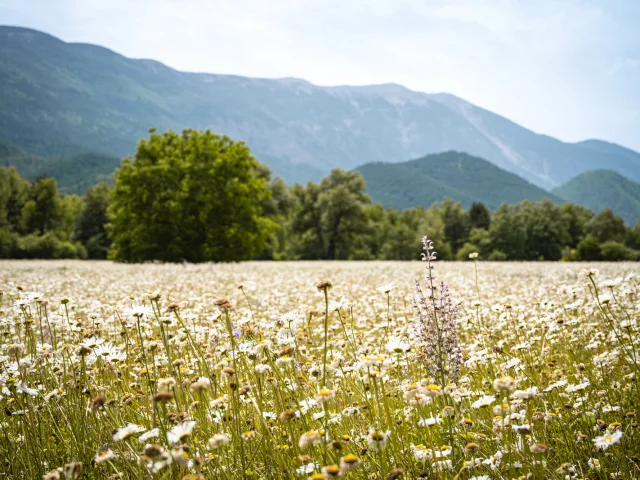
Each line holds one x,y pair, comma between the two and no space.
59,99
72,110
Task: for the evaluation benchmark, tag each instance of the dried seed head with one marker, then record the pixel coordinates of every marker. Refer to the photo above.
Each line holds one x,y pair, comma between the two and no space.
285,351
324,285
335,445
15,350
162,397
152,450
83,351
287,415
539,448
395,473
72,470
224,304
472,448
98,402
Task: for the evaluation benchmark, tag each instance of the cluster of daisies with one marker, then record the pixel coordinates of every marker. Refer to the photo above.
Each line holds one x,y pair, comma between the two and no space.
319,371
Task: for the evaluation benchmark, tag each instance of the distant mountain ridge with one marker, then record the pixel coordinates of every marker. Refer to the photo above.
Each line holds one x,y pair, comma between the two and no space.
602,189
456,175
59,99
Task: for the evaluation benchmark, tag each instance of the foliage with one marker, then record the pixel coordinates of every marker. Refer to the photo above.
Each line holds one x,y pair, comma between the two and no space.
43,211
607,226
575,218
530,231
479,242
91,222
479,216
199,196
456,222
330,215
36,222
588,249
14,192
195,196
615,251
49,245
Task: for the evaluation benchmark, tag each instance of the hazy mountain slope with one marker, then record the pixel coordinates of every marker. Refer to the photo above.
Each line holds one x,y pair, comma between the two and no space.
60,98
74,173
601,189
541,159
459,176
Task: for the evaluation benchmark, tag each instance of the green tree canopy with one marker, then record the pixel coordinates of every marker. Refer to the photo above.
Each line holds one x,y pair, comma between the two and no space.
456,222
606,226
92,219
44,210
330,215
576,218
196,196
14,193
479,216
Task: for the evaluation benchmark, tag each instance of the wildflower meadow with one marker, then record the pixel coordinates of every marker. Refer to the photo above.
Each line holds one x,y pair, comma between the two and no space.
319,370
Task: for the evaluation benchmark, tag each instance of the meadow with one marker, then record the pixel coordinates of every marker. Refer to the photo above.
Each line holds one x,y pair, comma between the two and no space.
319,370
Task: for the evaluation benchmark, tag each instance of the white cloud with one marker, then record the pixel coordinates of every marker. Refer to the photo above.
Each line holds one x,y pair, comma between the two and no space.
624,64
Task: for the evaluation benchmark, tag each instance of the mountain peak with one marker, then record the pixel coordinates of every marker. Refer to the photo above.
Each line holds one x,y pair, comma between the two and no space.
24,33
65,98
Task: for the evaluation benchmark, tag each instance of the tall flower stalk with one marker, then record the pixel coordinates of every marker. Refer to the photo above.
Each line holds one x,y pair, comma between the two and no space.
435,328
324,286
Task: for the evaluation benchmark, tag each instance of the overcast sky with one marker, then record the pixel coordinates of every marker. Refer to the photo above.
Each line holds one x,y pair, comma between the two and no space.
567,68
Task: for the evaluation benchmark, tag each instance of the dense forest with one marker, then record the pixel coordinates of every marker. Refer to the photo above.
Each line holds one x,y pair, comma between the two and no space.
197,196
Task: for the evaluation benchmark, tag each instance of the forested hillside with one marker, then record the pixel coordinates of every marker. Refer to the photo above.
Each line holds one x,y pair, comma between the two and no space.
602,189
74,173
456,175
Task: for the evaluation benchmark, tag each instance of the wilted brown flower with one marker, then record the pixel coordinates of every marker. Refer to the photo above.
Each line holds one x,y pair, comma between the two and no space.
324,285
224,304
98,402
162,397
395,473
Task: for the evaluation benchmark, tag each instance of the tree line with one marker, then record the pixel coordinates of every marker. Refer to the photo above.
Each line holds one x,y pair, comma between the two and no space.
198,196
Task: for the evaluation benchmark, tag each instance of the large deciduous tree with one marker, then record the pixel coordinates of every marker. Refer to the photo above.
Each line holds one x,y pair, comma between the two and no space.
196,196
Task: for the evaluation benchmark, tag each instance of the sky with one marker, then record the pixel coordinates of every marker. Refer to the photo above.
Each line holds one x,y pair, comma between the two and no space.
565,68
